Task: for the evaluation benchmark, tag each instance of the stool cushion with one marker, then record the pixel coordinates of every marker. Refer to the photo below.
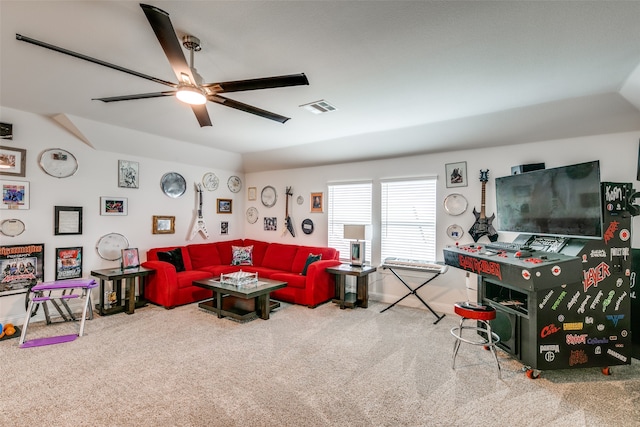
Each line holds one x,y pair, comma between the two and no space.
472,311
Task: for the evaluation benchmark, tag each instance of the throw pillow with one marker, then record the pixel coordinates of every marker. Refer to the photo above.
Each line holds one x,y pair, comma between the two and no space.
242,255
173,257
310,260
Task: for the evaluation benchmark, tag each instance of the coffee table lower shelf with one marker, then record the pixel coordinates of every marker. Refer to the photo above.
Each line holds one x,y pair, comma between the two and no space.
236,308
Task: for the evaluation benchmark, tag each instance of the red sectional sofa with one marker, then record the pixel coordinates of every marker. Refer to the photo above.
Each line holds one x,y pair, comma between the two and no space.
277,261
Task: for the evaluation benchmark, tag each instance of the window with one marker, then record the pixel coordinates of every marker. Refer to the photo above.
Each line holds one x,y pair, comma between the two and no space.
348,204
408,219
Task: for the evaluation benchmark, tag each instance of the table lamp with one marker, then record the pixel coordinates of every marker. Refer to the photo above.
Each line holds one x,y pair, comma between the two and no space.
359,233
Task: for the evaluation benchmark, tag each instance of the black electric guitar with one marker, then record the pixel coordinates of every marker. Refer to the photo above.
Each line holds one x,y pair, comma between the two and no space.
482,226
199,225
288,221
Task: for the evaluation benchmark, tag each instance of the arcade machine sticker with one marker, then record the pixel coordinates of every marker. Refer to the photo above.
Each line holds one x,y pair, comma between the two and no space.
21,266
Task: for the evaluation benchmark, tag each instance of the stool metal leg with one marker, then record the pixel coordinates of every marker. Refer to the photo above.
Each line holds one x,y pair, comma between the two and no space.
492,346
456,344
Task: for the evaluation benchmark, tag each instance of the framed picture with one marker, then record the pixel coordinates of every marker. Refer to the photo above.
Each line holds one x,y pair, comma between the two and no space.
128,174
252,193
163,224
68,220
224,206
6,131
270,223
27,258
316,202
130,258
68,263
15,194
224,227
456,174
13,161
113,206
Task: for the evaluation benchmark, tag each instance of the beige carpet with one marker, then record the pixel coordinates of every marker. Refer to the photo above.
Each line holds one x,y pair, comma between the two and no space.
303,367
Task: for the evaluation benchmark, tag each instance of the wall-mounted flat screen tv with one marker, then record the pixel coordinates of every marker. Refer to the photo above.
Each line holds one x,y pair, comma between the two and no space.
562,201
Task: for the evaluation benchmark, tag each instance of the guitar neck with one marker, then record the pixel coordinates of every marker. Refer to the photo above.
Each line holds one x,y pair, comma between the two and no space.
482,204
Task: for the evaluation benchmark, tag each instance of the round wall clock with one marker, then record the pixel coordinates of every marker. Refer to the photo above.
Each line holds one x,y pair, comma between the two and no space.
110,245
58,163
252,215
173,184
455,204
12,227
210,181
268,196
234,183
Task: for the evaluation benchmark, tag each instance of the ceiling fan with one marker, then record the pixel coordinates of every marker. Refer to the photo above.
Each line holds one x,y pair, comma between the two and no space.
190,87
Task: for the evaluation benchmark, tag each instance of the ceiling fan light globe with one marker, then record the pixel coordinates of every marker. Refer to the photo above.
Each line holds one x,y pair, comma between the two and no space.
191,95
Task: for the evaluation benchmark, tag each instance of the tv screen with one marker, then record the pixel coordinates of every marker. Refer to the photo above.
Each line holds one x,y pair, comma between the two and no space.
562,201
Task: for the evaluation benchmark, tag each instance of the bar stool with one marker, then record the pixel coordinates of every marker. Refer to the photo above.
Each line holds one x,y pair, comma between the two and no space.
481,314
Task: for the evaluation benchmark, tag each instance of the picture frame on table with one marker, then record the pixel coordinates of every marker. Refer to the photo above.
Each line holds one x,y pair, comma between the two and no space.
163,224
67,220
13,161
15,194
316,202
456,174
224,206
128,174
114,205
69,263
130,258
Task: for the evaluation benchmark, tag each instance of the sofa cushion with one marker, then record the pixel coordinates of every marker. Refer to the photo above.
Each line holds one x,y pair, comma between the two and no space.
310,259
242,255
173,257
280,257
224,249
203,255
293,280
259,249
186,278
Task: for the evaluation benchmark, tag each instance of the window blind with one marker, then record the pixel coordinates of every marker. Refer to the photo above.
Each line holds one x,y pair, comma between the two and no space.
348,204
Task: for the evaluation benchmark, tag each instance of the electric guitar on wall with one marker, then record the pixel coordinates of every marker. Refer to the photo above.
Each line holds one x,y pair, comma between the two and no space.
288,221
482,226
199,225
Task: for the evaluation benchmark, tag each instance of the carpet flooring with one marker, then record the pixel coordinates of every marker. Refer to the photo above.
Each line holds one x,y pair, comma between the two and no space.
303,367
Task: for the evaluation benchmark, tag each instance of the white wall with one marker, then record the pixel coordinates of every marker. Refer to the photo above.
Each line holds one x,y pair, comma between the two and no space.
618,155
97,176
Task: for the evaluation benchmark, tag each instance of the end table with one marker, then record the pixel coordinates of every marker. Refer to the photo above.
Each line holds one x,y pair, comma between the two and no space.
117,275
361,297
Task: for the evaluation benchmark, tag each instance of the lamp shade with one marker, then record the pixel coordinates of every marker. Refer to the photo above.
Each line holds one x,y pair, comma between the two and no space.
357,232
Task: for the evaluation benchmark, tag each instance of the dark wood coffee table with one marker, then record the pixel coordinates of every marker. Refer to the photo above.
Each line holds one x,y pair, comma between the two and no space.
240,303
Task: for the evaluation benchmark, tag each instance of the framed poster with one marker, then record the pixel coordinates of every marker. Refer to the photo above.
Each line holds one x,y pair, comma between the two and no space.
113,206
456,174
21,266
68,263
13,161
15,194
224,206
128,174
68,220
316,202
130,258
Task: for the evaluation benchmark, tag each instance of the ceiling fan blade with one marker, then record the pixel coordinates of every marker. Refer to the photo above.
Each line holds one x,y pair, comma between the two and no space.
262,83
162,27
90,59
247,108
138,96
202,115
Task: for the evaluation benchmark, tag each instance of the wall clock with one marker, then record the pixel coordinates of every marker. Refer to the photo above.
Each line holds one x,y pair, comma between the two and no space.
234,183
268,196
58,163
210,181
252,215
110,245
173,184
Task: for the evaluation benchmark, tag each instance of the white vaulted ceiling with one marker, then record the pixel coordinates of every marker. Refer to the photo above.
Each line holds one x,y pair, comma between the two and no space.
406,77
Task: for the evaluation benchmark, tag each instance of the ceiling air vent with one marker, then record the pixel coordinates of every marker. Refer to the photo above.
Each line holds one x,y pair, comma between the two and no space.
319,107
